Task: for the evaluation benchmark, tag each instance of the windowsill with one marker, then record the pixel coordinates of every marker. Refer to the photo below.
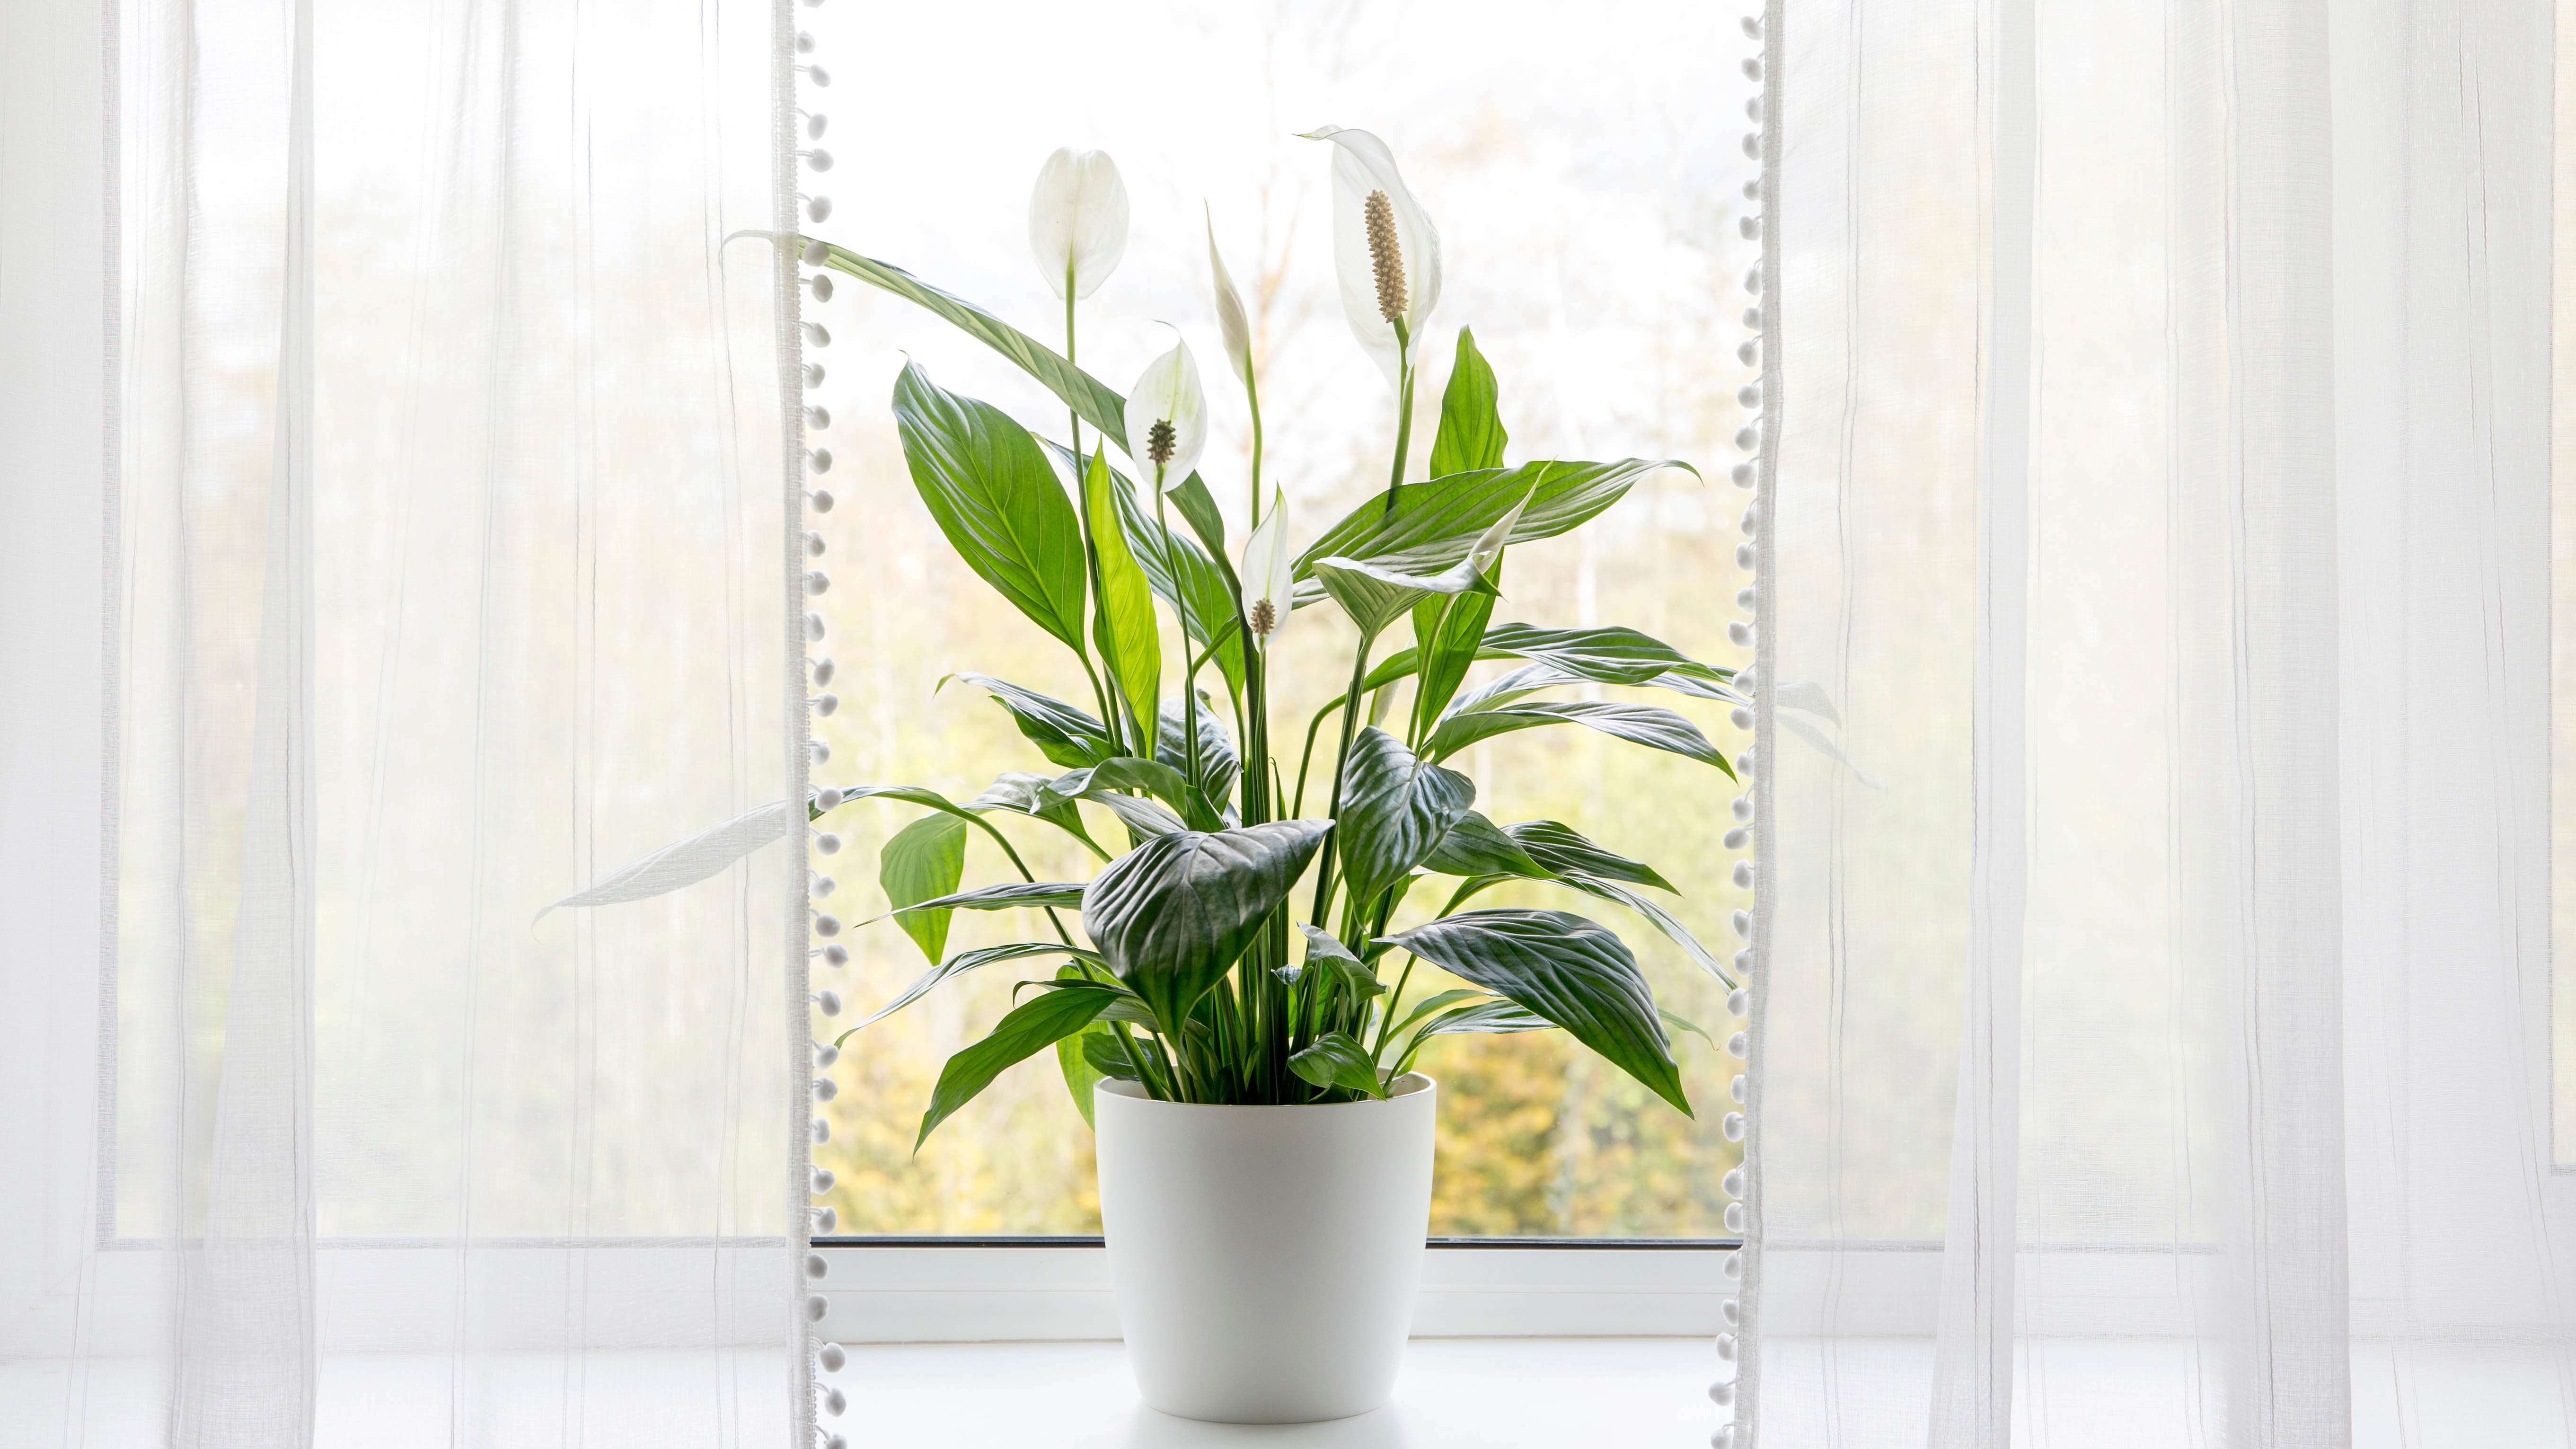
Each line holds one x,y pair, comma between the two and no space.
1455,1393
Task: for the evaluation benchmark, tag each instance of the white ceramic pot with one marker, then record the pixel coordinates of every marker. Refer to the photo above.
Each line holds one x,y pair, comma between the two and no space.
1265,1259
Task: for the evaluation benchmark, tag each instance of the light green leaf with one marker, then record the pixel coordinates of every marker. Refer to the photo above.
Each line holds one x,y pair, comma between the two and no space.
1065,735
1375,597
1434,524
1180,572
1663,920
1471,429
1101,783
1022,791
1565,970
1680,1023
1324,950
1562,848
1123,618
1072,1058
1642,724
1395,807
1337,1060
1450,632
1611,654
1031,1027
987,484
1061,895
1171,915
924,861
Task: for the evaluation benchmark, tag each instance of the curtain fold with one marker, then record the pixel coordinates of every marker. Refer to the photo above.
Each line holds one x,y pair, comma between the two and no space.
2153,1024
439,484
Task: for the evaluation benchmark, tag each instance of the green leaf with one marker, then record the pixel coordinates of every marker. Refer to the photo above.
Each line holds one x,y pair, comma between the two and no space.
1561,848
1080,1078
1171,915
1471,430
1107,1055
1123,620
1217,762
1087,395
1325,950
923,861
1564,969
1180,572
963,962
1612,654
1511,688
1395,808
1494,1015
1476,846
1337,1060
987,483
1434,524
1432,1004
1663,920
1022,791
1031,1027
1680,1023
1375,597
1450,632
1063,895
1643,724
1101,783
1065,735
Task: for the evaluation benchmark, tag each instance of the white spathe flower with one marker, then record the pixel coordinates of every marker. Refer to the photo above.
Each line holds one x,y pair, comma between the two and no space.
1401,233
1078,220
1269,585
1232,323
1167,397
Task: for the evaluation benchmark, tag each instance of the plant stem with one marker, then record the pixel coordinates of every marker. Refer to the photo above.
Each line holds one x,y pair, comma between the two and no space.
1403,411
1068,352
1190,674
1341,757
1252,394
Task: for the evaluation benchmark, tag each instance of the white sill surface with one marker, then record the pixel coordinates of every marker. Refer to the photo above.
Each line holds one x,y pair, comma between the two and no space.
1455,1393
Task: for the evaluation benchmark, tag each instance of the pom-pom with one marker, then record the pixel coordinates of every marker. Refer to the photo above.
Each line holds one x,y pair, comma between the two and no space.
827,925
1735,1217
817,335
1740,634
1737,1088
1742,805
1745,558
815,1267
820,1130
834,1404
1733,1183
825,1089
814,628
1744,874
825,703
822,1175
824,669
1742,921
1739,1002
820,208
1732,1127
817,581
1726,1347
836,955
827,842
828,1002
831,1358
821,502
815,1307
825,1054
820,752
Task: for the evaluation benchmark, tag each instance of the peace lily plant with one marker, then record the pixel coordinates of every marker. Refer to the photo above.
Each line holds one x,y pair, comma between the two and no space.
1236,944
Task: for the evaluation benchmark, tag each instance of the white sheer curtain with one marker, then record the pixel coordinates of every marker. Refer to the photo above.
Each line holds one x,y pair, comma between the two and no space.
398,503
2152,1034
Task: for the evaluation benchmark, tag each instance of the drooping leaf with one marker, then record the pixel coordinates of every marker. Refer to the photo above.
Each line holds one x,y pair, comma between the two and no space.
1062,895
1029,1028
1122,620
1395,807
1512,687
987,484
965,961
1662,920
1681,1023
686,862
1434,524
1171,915
1643,724
1022,791
1102,783
1494,1015
1471,429
1335,1059
1611,654
1566,970
1098,404
1476,846
1431,1005
1065,735
924,861
1375,596
1560,848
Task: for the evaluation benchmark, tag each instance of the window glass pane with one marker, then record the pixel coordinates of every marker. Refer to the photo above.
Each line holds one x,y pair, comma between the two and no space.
1587,182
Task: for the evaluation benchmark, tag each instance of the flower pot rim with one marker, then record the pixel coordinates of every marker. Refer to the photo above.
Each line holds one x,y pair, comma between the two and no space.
1408,1085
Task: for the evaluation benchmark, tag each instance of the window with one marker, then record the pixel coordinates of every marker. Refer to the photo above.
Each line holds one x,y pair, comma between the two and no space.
1588,183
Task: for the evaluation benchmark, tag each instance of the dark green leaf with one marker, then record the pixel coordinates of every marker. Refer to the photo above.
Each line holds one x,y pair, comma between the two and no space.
1431,1004
1123,619
1099,405
923,861
1325,950
1171,915
1663,920
1071,1058
988,485
1610,654
1564,969
1023,791
1030,1028
1102,783
1560,847
1062,733
1471,430
1494,1015
1476,846
1395,807
1434,524
1337,1060
1106,1055
1643,724
1217,763
965,961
